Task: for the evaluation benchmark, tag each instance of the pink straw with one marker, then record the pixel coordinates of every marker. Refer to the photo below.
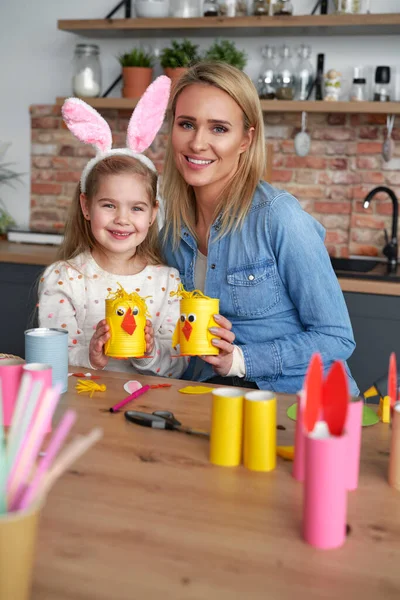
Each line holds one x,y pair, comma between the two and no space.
133,396
56,442
32,443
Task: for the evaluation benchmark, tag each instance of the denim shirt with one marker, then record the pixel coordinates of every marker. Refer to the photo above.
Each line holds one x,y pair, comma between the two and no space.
276,285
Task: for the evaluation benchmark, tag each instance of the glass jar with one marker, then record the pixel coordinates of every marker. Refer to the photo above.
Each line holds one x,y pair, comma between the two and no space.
266,79
260,7
348,7
232,8
305,73
186,9
285,81
283,7
382,84
210,8
86,80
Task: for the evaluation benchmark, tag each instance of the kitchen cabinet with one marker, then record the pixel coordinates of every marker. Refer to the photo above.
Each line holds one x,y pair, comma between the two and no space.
376,324
18,298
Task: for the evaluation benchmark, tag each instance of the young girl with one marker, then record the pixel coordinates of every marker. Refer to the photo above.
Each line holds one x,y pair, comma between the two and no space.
111,241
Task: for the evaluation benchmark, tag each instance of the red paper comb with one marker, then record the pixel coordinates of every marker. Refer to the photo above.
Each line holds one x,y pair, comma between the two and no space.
313,390
335,398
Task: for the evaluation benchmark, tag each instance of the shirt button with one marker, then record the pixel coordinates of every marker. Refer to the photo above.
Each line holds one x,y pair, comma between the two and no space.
251,277
213,266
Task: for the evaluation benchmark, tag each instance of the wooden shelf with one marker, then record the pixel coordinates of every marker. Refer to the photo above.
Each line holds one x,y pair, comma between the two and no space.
392,108
368,24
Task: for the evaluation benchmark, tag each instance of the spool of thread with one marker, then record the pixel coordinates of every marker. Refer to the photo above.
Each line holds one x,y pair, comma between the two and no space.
394,460
325,493
298,462
226,427
49,347
353,428
10,377
259,443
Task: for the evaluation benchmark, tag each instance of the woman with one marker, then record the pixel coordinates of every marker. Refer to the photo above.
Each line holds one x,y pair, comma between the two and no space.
240,240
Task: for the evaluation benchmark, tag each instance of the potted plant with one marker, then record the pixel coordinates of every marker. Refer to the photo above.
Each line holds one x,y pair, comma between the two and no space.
7,175
226,51
137,72
176,59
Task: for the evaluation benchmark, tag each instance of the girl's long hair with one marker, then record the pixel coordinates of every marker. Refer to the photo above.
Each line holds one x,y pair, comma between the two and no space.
78,236
235,200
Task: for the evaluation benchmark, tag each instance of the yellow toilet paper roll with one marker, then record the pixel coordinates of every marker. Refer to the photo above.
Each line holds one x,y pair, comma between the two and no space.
259,444
226,427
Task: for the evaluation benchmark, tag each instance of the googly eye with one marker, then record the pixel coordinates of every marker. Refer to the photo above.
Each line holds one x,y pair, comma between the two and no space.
183,317
120,311
191,318
135,311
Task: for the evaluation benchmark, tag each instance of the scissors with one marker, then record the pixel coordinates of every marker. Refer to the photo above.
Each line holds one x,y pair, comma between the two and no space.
161,419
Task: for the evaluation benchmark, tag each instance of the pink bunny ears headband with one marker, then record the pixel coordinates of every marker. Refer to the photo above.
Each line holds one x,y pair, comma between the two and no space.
89,126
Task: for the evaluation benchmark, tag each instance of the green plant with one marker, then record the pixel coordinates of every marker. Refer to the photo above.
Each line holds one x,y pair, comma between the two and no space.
179,54
7,176
226,51
136,58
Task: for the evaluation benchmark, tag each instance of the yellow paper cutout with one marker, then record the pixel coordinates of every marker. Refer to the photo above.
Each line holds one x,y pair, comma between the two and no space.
196,389
286,452
197,316
126,316
89,386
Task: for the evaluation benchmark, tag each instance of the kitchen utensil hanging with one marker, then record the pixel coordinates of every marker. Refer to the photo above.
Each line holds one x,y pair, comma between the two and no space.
302,140
388,144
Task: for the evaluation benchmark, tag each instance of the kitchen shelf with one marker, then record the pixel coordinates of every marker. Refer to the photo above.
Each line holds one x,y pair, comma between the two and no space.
309,106
310,25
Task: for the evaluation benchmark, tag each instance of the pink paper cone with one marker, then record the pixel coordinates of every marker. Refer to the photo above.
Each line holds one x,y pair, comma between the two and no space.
325,494
298,462
10,377
43,373
353,429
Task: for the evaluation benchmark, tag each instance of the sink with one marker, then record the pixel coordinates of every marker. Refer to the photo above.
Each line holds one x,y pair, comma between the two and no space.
361,265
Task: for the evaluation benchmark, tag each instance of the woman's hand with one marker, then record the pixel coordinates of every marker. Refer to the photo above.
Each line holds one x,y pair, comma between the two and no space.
223,361
97,358
149,337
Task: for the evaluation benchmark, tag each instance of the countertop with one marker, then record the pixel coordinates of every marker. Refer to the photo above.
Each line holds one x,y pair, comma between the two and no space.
144,515
364,283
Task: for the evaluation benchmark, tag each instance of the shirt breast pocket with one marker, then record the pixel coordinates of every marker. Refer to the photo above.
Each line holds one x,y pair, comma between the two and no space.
254,288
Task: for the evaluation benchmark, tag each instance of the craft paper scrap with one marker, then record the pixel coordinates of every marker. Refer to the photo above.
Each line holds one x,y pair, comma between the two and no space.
198,389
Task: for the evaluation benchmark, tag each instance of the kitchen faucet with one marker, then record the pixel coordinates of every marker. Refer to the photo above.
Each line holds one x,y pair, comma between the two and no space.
390,250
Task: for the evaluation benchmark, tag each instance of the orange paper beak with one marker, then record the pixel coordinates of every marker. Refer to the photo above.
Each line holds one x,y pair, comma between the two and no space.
187,329
129,324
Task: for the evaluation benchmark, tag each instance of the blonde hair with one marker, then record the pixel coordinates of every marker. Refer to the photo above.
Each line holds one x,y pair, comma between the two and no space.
78,236
235,199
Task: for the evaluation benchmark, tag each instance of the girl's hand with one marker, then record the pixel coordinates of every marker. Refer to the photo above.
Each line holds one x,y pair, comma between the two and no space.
97,358
149,337
223,361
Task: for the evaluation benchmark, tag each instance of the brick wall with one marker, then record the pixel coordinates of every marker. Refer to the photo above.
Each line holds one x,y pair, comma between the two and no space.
344,163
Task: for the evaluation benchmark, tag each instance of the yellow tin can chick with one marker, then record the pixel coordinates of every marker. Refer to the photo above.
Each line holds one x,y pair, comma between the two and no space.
196,317
126,316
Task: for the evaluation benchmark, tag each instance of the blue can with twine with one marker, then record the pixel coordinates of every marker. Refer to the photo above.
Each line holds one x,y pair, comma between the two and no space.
49,346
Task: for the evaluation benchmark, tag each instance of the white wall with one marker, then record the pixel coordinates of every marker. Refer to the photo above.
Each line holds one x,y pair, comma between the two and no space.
36,65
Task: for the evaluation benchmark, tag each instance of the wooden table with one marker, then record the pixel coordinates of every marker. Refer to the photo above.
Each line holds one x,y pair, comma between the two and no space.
143,515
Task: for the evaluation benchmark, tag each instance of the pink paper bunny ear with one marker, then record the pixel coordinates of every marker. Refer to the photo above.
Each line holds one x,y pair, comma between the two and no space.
87,124
148,115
